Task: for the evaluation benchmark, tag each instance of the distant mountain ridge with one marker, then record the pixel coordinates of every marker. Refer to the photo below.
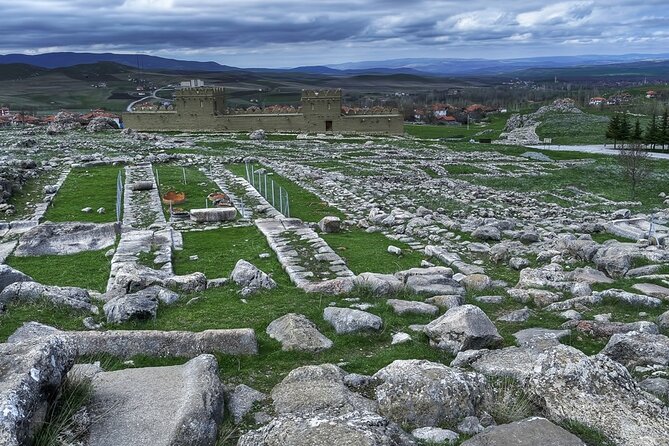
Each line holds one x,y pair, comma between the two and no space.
617,64
495,66
67,59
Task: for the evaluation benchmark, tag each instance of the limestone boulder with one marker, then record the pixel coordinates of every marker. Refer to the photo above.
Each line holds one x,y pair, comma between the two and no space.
487,232
465,327
433,285
597,392
31,373
348,320
634,349
66,238
251,278
330,224
423,393
317,389
135,306
412,307
297,333
350,429
241,401
158,406
528,432
73,297
101,123
379,284
615,259
9,275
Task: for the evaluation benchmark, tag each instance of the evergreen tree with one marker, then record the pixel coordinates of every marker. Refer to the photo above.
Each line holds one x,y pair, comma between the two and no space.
613,130
650,137
663,132
637,134
625,129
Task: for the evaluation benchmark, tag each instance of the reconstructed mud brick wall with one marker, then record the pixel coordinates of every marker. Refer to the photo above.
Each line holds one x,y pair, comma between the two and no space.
203,109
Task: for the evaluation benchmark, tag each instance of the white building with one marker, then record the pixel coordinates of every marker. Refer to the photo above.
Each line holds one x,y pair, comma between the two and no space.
193,83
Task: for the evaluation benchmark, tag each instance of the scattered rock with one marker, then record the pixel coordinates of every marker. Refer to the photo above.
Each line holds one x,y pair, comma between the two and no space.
348,320
424,393
528,432
297,333
412,307
330,224
317,388
463,328
435,435
249,277
241,401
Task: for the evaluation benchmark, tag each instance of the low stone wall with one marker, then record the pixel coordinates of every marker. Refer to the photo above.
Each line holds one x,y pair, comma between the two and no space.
129,343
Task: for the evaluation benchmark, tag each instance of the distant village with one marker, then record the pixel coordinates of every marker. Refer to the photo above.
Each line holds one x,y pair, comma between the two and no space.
9,117
618,99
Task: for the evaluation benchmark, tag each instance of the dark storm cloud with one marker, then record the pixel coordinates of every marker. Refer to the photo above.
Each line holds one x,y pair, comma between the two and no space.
288,30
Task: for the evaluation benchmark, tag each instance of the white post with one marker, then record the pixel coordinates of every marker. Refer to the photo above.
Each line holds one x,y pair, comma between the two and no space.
280,199
287,214
184,172
272,193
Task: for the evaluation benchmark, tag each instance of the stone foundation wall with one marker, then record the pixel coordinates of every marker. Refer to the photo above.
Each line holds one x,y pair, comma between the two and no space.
297,122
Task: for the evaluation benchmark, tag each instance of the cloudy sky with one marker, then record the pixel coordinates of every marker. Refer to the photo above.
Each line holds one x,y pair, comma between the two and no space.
280,33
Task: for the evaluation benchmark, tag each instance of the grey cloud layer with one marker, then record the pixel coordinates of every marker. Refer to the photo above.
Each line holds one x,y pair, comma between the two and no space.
230,27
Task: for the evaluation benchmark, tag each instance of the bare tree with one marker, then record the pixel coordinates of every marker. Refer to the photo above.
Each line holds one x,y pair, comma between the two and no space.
636,164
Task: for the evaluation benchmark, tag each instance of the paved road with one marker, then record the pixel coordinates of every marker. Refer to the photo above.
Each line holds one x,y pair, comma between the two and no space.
600,149
154,95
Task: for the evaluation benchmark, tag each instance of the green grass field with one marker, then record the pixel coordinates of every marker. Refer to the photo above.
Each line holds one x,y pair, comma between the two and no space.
219,250
93,187
31,194
485,130
88,270
303,204
367,252
604,178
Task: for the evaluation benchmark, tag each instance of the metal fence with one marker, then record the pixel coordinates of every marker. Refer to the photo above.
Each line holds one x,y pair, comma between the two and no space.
273,193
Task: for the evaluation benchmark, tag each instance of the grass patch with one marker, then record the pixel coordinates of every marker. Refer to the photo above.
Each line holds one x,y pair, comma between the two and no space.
588,435
219,250
603,177
303,204
88,269
368,251
573,128
196,187
59,316
94,187
30,194
489,129
462,169
61,424
360,353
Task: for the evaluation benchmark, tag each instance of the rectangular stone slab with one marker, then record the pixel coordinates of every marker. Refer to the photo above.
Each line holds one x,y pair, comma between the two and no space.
213,214
157,406
129,343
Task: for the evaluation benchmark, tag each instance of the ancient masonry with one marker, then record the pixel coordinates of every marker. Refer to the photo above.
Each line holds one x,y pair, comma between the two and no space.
203,109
